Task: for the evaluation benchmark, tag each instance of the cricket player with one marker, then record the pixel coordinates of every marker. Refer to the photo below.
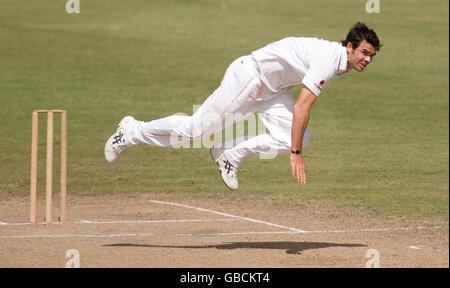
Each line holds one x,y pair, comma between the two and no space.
259,83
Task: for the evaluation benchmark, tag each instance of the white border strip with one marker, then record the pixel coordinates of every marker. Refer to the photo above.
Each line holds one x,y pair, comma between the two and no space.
227,215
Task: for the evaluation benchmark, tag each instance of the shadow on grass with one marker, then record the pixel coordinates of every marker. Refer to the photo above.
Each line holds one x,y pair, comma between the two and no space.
289,246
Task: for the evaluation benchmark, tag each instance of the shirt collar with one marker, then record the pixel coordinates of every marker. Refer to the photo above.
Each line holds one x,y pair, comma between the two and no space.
342,67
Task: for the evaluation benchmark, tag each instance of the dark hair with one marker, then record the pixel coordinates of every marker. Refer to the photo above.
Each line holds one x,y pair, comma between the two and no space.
360,32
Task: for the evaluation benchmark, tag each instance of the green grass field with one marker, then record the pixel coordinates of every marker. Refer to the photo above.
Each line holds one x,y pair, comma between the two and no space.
380,138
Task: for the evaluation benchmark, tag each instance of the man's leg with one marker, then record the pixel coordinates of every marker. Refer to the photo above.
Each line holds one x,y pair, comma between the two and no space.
276,114
234,96
238,83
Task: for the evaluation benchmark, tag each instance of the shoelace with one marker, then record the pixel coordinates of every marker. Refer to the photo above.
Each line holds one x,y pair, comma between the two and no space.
229,167
118,138
118,143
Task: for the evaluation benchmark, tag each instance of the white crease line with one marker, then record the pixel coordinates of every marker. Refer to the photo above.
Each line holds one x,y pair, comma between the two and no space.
121,222
116,235
151,221
414,247
78,235
15,224
227,215
375,229
324,231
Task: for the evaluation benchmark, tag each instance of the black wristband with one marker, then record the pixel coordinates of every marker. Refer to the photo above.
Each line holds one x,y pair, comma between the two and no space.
296,152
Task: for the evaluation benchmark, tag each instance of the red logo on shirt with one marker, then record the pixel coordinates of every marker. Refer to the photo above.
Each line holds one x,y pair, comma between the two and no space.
319,86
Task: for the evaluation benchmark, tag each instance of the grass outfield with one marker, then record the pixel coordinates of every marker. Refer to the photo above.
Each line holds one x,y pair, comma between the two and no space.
379,138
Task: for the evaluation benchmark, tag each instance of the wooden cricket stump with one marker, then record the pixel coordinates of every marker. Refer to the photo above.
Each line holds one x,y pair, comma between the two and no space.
49,165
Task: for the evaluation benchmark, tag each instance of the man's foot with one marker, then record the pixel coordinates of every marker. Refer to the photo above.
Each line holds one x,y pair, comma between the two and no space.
116,143
227,170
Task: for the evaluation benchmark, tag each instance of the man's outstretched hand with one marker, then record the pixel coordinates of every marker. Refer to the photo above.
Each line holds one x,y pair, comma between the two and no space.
298,168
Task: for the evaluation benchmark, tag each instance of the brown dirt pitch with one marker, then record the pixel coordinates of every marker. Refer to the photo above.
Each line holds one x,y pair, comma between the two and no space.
144,230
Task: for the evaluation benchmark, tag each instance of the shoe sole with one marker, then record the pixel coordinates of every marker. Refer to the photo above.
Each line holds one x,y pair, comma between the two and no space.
107,152
121,123
220,171
108,145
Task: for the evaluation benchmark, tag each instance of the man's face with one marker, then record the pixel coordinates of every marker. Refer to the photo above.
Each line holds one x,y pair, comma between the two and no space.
361,56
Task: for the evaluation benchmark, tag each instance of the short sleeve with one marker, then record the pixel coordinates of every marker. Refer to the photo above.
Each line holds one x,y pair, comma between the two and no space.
321,70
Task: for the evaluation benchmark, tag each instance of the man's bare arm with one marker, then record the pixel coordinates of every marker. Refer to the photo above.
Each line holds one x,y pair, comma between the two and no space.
300,120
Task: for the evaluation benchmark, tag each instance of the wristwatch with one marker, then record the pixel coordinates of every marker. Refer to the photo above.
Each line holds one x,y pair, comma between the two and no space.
296,152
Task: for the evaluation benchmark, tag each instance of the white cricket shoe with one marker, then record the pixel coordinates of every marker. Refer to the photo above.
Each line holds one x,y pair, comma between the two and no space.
227,170
116,143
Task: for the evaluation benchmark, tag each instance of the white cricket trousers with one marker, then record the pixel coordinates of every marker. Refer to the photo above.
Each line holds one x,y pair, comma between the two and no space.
240,93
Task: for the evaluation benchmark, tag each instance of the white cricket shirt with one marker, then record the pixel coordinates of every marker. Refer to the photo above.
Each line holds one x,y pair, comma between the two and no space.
299,60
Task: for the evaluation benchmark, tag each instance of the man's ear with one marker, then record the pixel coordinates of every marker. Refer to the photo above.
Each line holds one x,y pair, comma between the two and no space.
349,47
